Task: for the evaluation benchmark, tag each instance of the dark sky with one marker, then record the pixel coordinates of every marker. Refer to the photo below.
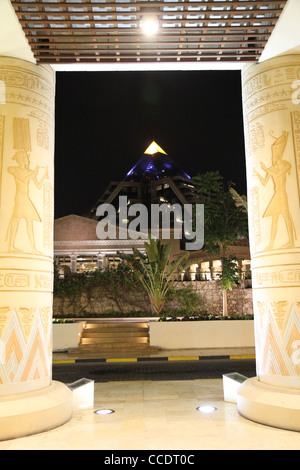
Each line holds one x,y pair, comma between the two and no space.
106,120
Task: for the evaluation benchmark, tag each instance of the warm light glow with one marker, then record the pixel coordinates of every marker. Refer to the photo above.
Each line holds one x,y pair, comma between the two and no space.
154,148
150,25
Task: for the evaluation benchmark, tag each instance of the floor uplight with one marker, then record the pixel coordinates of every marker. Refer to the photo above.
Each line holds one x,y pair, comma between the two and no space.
206,409
104,412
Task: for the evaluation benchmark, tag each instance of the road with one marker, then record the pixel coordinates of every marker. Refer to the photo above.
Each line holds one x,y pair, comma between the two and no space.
152,370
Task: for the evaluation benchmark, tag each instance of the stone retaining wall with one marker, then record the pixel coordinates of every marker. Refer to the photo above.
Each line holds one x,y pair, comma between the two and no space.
239,301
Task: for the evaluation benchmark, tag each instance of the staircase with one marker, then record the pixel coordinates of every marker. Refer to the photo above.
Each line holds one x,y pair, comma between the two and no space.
115,337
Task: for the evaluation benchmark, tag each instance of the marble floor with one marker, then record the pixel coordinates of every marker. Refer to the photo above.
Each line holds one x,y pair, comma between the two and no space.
159,415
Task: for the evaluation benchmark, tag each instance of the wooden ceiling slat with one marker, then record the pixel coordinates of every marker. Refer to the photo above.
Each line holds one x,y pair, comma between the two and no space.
191,34
68,13
35,43
161,49
225,3
152,56
252,29
189,30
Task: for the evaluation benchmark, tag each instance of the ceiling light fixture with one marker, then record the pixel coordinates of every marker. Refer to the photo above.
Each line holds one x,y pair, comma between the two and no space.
149,25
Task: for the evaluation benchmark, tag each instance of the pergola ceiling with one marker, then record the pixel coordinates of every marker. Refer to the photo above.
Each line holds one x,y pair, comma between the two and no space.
81,31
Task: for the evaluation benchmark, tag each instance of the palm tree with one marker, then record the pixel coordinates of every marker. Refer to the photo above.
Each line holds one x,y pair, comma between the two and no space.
156,271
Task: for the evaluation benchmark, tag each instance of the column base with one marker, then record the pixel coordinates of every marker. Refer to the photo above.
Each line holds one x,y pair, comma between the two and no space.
266,404
33,412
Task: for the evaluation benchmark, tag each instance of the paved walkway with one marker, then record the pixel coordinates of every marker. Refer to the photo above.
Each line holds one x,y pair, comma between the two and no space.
158,416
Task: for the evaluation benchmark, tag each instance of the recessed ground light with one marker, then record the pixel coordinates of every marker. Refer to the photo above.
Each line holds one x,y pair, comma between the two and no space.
206,409
104,412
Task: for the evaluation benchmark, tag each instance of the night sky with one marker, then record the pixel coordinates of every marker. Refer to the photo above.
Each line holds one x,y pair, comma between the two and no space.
106,120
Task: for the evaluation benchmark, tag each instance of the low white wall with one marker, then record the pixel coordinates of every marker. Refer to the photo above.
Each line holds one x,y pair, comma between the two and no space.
174,335
202,334
66,335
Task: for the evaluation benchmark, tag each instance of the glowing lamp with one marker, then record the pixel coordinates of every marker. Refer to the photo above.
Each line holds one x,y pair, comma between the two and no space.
150,25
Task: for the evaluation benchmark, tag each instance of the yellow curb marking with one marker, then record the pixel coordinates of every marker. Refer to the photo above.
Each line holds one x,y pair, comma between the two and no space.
250,356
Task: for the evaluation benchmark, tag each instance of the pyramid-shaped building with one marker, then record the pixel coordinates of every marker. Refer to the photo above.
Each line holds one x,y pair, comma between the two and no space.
153,165
154,179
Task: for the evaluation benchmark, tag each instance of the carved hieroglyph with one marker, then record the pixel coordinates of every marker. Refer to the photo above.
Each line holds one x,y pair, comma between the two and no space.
272,133
26,225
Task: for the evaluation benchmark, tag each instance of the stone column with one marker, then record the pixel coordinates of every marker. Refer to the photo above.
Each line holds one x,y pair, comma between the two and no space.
272,135
73,257
100,261
29,400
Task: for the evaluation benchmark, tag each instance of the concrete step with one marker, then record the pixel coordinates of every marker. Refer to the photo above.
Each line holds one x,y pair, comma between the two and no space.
115,336
114,325
113,347
113,340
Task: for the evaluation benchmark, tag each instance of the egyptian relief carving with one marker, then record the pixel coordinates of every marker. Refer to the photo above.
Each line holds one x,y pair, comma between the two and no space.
255,217
23,175
261,311
43,135
48,208
257,137
295,116
2,92
26,280
279,205
278,309
27,317
2,120
3,318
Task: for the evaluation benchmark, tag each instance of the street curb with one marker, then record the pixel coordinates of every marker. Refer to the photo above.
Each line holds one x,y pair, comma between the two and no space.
152,359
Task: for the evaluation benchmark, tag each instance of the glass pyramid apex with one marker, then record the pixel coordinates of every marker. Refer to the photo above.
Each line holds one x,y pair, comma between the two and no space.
153,149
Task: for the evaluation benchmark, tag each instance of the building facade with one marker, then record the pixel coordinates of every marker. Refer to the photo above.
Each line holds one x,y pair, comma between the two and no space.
154,181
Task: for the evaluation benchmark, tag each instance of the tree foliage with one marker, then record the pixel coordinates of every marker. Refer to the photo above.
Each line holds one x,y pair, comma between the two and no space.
225,221
230,275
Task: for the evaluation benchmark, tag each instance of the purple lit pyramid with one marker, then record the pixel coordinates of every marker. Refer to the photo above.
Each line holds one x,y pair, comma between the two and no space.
153,165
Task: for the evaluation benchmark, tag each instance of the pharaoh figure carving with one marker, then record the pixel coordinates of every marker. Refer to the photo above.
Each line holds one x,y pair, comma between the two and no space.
23,175
279,204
